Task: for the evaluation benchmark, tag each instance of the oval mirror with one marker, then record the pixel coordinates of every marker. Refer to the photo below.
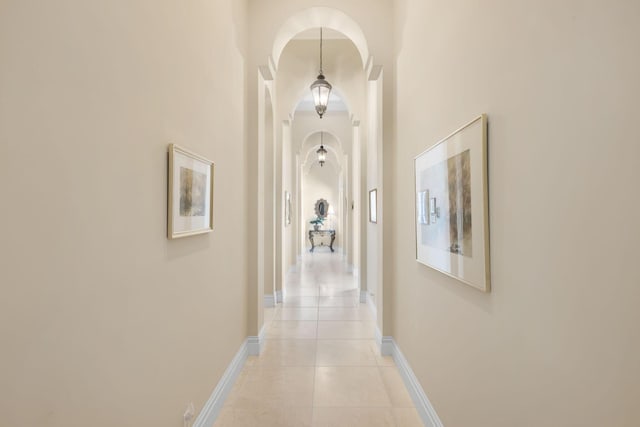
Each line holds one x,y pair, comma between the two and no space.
322,208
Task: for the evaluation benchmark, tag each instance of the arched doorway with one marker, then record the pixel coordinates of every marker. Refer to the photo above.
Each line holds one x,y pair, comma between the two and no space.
357,82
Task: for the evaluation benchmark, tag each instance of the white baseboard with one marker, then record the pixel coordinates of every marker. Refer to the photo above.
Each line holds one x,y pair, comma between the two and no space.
252,346
212,408
385,343
269,300
377,336
363,296
255,343
388,347
372,306
279,296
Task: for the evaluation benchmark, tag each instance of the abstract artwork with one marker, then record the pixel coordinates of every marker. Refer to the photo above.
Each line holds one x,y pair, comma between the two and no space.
449,205
190,193
193,189
452,230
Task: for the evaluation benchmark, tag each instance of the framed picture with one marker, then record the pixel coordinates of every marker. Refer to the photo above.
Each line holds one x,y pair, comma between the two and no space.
452,206
373,205
190,194
287,208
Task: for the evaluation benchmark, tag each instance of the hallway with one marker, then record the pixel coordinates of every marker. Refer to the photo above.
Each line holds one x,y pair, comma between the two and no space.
320,366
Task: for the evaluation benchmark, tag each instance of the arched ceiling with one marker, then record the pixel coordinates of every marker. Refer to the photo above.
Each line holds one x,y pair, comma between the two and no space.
310,146
342,68
317,17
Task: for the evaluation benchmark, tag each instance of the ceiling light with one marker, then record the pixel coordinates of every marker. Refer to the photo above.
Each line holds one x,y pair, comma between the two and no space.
322,153
320,89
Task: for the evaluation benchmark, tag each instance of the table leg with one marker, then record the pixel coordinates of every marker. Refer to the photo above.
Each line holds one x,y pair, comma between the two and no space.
311,240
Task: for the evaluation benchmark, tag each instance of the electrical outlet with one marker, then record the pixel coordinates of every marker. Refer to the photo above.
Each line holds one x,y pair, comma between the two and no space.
188,415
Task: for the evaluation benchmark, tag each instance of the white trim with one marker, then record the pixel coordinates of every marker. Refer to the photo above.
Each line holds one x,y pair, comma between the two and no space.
320,16
269,300
388,347
372,306
377,336
279,297
252,346
212,408
356,272
265,72
385,343
363,296
255,343
272,66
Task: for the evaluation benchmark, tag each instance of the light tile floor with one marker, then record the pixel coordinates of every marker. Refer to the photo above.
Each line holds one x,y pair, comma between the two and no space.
320,366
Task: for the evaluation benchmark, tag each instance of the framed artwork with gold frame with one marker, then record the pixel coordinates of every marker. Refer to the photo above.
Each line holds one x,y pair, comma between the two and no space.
190,193
452,205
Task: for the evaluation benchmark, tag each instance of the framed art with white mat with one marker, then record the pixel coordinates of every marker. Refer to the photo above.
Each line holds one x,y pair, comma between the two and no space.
190,193
452,205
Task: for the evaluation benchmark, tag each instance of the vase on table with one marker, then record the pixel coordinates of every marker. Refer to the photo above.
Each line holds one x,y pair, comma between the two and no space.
316,227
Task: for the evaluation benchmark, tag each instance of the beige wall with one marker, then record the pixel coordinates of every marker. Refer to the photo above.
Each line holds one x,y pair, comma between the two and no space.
103,321
289,185
373,181
556,342
269,185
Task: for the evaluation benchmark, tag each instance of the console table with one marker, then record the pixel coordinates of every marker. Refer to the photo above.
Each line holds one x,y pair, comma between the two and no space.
321,233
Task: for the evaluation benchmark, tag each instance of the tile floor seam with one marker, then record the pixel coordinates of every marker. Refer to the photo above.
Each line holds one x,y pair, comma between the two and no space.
340,355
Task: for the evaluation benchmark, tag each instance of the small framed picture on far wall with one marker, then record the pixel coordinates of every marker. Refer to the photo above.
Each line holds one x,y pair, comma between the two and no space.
287,208
373,205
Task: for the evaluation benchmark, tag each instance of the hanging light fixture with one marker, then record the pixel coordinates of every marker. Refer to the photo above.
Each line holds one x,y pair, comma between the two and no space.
322,153
320,89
